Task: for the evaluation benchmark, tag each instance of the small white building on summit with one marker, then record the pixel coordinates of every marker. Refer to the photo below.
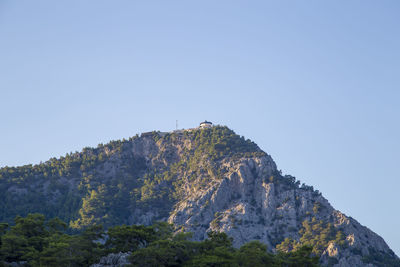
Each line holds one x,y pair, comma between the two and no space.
205,124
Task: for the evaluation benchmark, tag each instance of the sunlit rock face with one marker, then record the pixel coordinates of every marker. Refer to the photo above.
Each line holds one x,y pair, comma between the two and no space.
253,202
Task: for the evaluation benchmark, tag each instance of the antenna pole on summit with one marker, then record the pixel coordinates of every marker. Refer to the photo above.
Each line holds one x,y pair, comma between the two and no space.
176,125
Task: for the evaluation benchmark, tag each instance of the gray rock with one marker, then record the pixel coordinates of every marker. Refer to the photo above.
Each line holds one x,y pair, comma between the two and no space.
248,205
113,260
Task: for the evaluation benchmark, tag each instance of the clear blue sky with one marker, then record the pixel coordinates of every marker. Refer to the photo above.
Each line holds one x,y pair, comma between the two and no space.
314,83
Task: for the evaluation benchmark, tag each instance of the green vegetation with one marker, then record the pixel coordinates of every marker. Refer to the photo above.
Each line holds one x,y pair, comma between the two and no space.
45,243
73,188
41,243
315,234
219,142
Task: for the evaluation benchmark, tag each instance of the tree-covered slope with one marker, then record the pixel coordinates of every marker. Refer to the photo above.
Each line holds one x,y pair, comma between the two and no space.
106,184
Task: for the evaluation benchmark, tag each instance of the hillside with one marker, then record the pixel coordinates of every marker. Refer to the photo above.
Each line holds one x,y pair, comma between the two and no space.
200,180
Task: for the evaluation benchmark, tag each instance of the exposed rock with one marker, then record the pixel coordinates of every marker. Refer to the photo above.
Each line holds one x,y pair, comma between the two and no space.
113,260
15,264
333,250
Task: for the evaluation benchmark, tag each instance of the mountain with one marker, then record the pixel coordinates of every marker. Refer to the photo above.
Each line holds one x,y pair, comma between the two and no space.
199,179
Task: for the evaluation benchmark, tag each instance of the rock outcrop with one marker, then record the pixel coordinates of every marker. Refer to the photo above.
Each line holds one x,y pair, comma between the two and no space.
113,260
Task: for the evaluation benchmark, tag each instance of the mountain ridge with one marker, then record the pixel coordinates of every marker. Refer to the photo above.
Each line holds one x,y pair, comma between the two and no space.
198,179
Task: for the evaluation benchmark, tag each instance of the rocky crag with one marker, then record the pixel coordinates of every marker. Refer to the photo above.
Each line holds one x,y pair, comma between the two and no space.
199,180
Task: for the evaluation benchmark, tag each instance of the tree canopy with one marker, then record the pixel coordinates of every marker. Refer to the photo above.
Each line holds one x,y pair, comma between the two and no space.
40,242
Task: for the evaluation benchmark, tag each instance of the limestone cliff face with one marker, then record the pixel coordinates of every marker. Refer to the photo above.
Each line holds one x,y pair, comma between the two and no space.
248,204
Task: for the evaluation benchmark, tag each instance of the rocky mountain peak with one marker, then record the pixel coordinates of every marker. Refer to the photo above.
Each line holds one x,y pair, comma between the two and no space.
202,179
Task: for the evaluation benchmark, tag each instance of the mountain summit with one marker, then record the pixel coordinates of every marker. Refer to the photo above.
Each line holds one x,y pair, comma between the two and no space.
202,179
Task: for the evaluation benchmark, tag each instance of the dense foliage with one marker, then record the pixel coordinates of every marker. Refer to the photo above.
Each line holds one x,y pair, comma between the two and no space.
70,187
316,234
38,242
